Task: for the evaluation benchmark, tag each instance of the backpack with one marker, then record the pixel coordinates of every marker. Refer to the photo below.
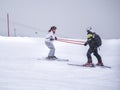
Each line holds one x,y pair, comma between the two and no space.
98,40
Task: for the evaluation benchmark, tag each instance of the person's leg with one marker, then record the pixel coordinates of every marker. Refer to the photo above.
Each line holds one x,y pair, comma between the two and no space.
89,52
89,62
52,49
98,57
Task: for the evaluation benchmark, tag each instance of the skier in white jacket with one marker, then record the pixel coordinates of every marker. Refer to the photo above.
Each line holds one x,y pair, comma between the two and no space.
49,43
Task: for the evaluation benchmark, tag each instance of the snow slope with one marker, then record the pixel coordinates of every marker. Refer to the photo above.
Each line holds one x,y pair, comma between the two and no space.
20,69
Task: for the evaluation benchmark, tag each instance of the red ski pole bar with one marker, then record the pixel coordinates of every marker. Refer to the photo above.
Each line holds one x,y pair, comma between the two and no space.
71,41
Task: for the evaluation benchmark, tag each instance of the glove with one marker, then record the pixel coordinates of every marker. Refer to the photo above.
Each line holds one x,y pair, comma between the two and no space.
51,39
55,38
85,44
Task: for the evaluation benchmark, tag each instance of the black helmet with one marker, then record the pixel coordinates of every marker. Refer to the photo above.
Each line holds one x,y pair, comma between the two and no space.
89,32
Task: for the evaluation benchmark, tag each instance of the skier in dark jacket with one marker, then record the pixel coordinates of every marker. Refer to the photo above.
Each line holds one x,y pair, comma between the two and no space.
92,49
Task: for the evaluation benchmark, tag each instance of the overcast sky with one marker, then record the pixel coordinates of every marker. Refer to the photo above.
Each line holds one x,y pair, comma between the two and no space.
72,17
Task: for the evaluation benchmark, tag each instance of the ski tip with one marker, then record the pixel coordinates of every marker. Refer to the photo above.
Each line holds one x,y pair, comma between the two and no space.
66,60
106,67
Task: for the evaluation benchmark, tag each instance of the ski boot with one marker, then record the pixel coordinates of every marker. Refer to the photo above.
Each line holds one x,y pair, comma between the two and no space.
54,57
88,65
99,64
51,57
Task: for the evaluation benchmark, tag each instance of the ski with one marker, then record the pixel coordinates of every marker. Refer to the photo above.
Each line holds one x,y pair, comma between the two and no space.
58,59
104,66
80,65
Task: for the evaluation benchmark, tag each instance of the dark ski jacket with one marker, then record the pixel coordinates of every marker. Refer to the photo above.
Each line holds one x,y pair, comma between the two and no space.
91,42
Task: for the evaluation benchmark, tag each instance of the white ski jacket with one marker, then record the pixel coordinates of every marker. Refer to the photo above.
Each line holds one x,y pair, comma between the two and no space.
50,37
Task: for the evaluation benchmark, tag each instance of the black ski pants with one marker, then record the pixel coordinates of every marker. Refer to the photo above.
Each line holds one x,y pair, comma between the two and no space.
95,53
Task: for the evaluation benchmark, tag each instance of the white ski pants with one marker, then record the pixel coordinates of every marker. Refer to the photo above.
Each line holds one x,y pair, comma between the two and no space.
51,47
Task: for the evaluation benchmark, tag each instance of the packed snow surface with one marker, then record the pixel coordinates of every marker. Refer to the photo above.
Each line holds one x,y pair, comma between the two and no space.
20,68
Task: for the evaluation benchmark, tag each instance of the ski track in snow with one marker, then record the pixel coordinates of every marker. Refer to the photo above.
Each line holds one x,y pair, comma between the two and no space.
20,69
